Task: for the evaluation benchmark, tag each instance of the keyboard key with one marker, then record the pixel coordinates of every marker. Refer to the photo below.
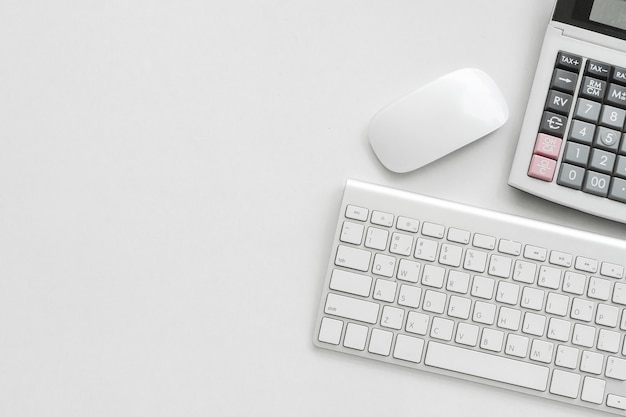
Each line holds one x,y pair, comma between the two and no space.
408,348
596,183
582,309
356,336
426,249
401,244
532,298
567,357
459,236
547,146
569,61
586,264
565,383
500,266
507,293
592,362
356,213
592,88
482,287
599,288
484,241
616,368
475,260
617,191
509,318
576,154
534,324
598,69
549,277
557,304
380,342
608,341
524,272
434,301
459,307
491,340
535,253
409,296
450,255
541,351
385,290
612,270
616,401
376,238
351,233
561,259
516,345
607,315
433,276
616,95
407,224
467,334
484,365
382,219
350,282
574,283
441,329
571,176
351,308
383,265
584,335
582,132
392,317
619,293
408,270
484,313
558,329
433,230
458,281
587,110
330,331
559,102
510,247
417,323
353,258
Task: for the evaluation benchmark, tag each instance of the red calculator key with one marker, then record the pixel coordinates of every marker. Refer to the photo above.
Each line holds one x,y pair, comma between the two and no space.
542,168
548,146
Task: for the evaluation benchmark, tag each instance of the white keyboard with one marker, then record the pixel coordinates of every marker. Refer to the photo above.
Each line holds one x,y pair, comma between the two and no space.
479,295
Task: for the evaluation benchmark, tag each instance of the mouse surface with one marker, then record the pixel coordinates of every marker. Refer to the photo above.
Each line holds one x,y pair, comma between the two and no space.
437,119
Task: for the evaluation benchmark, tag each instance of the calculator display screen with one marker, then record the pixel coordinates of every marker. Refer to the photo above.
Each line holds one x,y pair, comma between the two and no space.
609,12
603,16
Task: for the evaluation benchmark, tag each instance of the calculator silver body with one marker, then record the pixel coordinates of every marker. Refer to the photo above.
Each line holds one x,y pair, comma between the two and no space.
564,37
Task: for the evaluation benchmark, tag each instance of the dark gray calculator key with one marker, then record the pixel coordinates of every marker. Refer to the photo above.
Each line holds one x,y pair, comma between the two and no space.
582,131
576,153
618,75
612,117
607,138
598,69
571,176
602,161
596,183
616,94
587,110
564,80
620,167
568,61
593,88
553,124
559,102
618,190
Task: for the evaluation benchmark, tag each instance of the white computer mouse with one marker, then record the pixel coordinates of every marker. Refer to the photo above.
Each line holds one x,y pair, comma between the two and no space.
437,119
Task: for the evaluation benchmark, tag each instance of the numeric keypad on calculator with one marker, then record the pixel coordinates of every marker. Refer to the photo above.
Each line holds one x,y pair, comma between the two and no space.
581,142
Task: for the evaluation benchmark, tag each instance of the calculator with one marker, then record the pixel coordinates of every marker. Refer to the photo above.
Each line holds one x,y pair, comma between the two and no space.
572,146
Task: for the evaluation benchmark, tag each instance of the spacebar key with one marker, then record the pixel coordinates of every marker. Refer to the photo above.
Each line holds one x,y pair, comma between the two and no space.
484,365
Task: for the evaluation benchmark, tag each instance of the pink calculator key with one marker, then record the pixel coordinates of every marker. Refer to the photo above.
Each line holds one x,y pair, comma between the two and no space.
542,168
547,146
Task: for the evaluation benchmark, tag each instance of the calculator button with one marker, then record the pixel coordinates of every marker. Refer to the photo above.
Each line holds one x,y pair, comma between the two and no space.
598,69
553,123
571,176
618,74
576,153
564,80
542,168
582,131
616,95
587,110
547,146
602,161
618,190
568,61
613,117
593,88
559,102
607,139
596,183
620,167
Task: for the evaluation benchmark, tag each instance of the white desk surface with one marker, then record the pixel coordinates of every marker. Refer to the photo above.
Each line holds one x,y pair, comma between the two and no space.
170,175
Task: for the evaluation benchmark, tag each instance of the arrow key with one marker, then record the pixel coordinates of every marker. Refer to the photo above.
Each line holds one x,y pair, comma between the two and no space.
564,80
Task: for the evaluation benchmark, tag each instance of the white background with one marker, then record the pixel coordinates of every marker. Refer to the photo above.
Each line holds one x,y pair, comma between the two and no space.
170,175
